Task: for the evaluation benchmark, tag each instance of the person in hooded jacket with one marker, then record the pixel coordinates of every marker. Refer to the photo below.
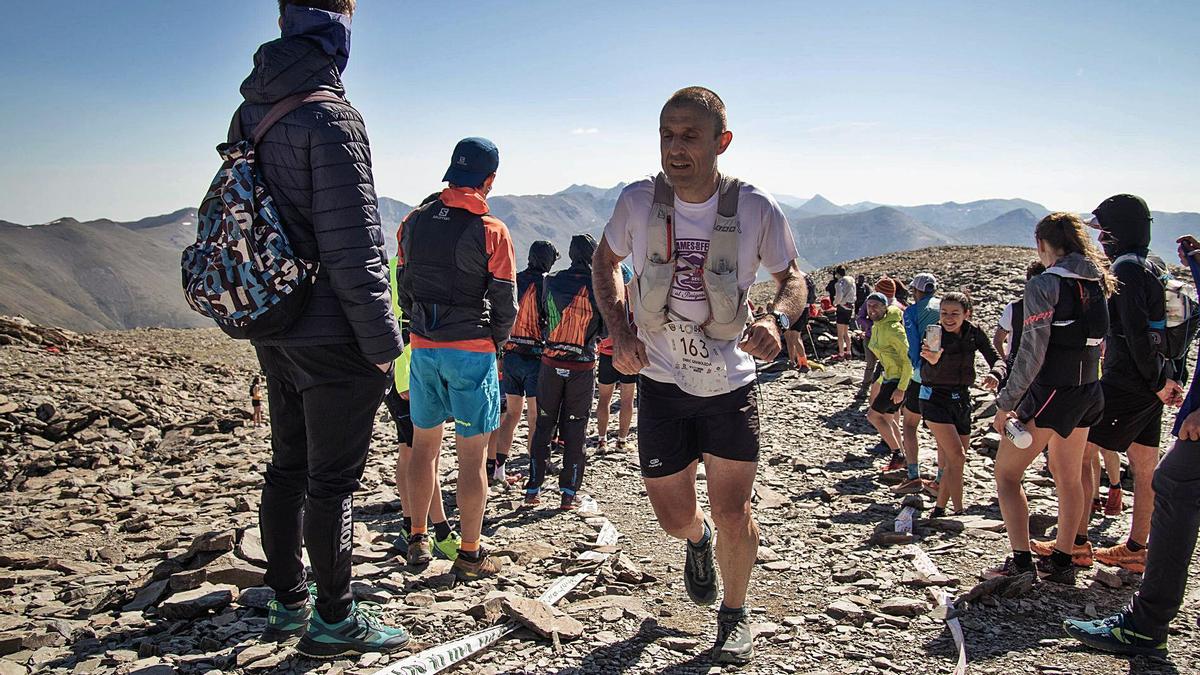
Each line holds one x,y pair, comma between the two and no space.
522,359
326,374
1138,378
1053,389
566,382
609,379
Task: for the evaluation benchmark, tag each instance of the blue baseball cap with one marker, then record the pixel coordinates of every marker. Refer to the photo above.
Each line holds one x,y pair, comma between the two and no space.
474,159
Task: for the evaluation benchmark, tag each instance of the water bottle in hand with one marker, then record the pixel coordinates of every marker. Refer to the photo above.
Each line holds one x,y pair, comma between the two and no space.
1017,433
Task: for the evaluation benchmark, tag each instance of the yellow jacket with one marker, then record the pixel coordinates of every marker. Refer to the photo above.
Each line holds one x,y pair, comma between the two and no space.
890,345
402,362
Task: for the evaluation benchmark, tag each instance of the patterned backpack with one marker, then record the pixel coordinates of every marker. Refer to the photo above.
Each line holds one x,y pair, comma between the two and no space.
241,272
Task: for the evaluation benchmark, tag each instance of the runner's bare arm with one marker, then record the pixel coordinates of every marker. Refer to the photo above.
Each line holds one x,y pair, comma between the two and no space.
763,338
629,354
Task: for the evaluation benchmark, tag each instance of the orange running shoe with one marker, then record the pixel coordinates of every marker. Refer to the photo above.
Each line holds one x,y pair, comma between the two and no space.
1114,505
1121,556
1081,556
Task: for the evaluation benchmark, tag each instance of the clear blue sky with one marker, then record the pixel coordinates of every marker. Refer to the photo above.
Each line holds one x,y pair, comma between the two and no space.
112,109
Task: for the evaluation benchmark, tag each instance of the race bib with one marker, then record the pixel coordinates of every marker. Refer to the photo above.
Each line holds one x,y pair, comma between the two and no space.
699,369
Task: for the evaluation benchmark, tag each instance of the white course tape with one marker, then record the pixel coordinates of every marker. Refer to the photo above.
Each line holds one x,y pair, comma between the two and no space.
436,659
926,566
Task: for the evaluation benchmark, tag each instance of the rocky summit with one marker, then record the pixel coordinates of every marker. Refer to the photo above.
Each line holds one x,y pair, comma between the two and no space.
129,544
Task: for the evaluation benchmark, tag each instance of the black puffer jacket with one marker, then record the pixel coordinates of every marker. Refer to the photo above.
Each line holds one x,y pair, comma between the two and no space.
317,165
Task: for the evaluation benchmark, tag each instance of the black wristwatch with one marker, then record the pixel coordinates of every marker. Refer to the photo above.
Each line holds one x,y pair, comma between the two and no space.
782,321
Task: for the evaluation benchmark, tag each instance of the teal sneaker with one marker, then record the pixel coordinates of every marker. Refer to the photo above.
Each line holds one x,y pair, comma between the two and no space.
360,633
448,547
1115,634
283,623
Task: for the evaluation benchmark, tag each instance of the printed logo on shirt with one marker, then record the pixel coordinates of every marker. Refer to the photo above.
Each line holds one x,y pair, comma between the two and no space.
689,279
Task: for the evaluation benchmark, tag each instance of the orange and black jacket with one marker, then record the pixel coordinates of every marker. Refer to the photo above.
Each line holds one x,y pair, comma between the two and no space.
529,332
455,273
573,323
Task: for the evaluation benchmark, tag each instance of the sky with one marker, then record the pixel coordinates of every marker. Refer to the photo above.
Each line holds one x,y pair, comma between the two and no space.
113,109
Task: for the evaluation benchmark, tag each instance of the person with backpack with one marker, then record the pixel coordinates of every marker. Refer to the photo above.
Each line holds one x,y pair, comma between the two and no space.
1053,390
843,303
861,290
918,317
1138,378
328,367
1007,336
522,362
1142,627
947,373
457,285
890,345
566,382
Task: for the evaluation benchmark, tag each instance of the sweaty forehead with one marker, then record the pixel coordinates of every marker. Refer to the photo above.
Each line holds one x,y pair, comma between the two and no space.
681,117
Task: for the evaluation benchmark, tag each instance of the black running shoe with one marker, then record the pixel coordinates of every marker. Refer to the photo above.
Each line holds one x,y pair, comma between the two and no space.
1048,571
735,642
699,572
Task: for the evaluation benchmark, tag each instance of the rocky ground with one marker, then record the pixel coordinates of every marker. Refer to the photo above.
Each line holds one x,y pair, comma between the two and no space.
128,544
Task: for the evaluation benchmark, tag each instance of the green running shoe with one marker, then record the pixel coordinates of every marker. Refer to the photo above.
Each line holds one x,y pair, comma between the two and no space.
283,623
448,547
360,633
735,642
1115,634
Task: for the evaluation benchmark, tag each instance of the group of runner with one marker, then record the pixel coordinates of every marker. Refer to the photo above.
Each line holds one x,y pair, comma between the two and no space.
679,321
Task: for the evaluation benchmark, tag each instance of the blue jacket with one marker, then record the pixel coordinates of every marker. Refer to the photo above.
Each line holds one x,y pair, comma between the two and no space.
1192,401
917,317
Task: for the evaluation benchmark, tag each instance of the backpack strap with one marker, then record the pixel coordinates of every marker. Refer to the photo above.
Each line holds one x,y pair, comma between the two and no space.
723,245
287,105
660,235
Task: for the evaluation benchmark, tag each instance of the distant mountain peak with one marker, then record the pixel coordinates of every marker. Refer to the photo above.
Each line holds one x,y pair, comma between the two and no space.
820,206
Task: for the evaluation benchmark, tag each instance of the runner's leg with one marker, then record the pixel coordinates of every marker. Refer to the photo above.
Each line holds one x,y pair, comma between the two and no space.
625,419
730,486
1142,460
1011,463
1066,458
912,421
508,425
422,475
602,407
472,484
674,501
530,422
949,446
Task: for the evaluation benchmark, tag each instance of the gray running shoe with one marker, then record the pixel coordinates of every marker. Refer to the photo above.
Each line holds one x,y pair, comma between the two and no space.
699,572
735,642
420,550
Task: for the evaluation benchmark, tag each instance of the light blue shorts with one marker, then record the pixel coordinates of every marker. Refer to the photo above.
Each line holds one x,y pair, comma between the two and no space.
447,383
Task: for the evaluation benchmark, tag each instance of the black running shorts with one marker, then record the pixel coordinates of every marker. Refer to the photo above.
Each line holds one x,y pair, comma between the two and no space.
1063,409
1129,417
912,398
946,405
882,403
676,428
399,410
607,374
844,316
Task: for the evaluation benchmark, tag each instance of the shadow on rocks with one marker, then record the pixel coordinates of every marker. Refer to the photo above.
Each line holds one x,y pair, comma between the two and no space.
619,657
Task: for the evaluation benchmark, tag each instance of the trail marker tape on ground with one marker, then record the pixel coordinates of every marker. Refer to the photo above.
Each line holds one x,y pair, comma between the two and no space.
439,658
926,566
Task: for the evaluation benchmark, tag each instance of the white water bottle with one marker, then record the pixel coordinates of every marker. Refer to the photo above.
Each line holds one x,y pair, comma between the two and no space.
1017,433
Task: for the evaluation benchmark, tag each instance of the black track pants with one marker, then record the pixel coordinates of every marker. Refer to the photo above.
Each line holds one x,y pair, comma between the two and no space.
564,402
323,401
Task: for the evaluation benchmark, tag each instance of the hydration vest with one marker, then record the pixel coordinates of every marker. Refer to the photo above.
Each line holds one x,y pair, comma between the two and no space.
650,291
1174,333
1077,330
432,276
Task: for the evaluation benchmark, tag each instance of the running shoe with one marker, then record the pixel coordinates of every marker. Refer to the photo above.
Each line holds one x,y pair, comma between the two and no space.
1115,503
879,448
1081,556
735,641
912,486
1048,571
420,550
283,623
1116,635
931,487
1008,568
468,568
360,633
699,571
1121,556
621,443
532,499
896,463
401,542
569,503
447,548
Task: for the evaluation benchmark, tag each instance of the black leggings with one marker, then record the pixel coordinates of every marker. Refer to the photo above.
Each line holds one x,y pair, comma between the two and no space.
565,403
323,403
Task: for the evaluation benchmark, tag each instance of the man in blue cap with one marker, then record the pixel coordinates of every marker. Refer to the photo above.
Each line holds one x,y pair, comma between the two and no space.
456,281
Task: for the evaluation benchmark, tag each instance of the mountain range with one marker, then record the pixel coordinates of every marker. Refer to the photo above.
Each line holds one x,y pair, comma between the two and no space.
104,274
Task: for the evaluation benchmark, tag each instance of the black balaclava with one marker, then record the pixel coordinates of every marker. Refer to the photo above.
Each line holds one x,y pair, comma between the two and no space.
583,247
1125,221
542,256
328,29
